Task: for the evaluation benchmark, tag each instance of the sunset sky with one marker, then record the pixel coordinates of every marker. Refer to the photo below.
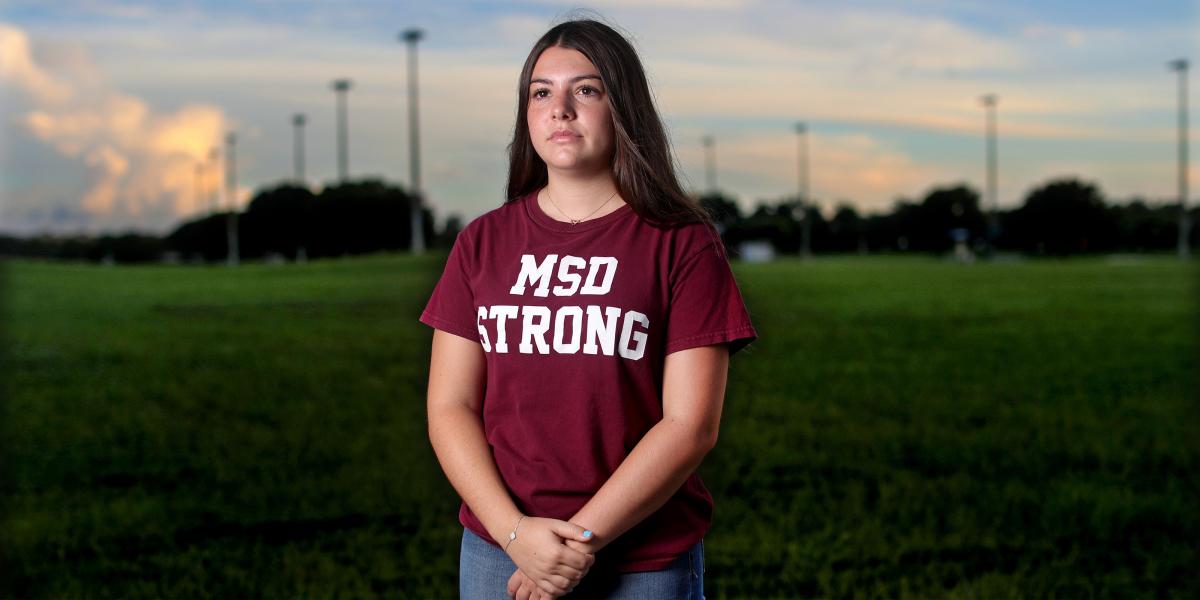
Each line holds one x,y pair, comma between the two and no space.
109,106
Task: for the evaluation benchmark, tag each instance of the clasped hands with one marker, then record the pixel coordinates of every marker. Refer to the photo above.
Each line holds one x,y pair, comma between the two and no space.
552,556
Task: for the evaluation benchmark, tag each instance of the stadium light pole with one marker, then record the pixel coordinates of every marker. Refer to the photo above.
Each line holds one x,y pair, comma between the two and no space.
410,38
802,189
710,163
341,86
231,224
213,192
1185,222
989,104
298,121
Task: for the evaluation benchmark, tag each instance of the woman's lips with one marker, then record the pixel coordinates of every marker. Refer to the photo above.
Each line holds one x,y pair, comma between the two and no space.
564,136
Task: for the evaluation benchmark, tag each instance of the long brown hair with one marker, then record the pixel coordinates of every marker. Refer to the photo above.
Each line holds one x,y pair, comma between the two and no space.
643,165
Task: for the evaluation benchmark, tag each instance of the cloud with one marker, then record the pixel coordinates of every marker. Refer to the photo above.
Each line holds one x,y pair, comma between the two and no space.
889,68
16,66
1073,37
904,43
112,166
140,161
854,167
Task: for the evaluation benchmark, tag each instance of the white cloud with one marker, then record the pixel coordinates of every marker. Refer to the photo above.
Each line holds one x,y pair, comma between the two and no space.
16,66
141,160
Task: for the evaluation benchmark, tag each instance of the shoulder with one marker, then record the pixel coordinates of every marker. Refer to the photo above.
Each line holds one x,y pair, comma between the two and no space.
690,239
700,234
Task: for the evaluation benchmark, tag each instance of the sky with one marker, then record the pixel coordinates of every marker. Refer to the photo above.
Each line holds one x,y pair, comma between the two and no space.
111,109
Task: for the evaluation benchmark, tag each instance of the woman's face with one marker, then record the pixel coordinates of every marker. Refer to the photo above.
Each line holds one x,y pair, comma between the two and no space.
570,124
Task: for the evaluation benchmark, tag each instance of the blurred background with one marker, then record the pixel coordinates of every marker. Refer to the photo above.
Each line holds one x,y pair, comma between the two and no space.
963,230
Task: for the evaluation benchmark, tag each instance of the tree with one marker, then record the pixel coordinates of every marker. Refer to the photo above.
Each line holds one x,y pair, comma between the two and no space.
846,230
944,209
1064,217
278,220
725,215
454,225
1141,227
127,248
771,223
353,217
724,211
202,239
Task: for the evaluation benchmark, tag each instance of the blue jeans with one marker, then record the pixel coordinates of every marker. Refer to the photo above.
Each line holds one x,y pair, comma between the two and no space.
484,570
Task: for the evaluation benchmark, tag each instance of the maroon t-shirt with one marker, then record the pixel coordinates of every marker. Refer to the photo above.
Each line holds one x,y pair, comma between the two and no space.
575,321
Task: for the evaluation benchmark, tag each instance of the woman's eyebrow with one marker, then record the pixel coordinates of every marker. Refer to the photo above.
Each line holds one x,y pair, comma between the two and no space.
574,79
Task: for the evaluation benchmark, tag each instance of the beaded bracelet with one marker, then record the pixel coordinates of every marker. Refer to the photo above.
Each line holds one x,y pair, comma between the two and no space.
513,535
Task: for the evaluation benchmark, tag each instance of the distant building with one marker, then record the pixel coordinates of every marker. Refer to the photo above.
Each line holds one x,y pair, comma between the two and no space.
756,251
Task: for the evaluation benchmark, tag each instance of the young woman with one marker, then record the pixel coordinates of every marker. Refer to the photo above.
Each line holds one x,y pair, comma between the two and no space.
582,336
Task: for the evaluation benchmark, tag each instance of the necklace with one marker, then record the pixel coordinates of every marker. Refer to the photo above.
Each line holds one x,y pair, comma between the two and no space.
577,221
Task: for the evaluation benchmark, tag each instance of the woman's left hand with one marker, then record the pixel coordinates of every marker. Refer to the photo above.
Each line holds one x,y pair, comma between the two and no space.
521,587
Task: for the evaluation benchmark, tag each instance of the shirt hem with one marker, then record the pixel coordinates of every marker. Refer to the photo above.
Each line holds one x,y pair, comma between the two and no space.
655,564
458,329
637,566
485,536
712,337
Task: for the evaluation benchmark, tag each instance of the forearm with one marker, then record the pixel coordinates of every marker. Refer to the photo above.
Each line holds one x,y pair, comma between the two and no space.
645,480
459,443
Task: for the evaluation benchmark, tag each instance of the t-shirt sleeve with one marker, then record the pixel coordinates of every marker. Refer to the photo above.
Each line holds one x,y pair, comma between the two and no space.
706,305
451,306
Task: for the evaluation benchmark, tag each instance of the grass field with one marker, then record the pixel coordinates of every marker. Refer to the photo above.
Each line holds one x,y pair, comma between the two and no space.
904,427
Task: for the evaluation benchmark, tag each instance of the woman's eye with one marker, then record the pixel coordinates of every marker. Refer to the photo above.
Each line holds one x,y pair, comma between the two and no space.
538,93
591,91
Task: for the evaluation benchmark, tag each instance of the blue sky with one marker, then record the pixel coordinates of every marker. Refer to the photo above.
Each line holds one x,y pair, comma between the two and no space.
110,106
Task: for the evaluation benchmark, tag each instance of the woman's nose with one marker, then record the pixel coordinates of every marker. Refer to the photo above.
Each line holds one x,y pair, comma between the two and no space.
563,109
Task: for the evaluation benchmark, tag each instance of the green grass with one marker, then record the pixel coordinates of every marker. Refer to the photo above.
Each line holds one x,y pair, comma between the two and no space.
904,427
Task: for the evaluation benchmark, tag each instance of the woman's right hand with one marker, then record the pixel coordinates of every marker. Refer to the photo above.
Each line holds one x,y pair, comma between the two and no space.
539,550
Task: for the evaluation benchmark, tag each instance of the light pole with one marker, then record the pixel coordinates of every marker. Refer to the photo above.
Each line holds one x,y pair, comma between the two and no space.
298,147
710,163
231,224
341,86
213,193
989,103
411,37
802,181
1185,222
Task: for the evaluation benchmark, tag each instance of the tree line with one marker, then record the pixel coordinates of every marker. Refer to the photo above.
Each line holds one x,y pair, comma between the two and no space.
284,222
1060,218
291,222
288,222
